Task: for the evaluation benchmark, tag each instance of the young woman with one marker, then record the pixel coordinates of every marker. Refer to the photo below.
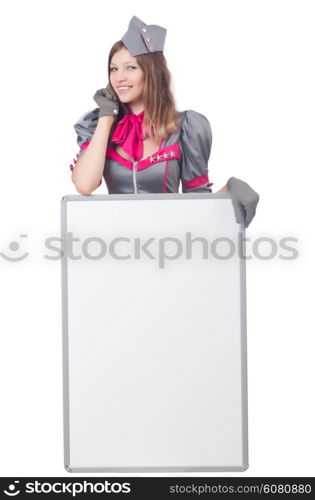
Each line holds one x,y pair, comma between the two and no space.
136,138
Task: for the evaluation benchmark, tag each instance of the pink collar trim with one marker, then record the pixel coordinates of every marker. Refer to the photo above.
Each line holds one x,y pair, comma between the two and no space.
171,152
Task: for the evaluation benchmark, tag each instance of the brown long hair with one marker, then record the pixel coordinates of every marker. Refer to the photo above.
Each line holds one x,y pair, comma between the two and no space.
160,115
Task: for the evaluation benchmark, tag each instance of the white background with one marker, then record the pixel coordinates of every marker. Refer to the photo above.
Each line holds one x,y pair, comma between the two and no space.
246,65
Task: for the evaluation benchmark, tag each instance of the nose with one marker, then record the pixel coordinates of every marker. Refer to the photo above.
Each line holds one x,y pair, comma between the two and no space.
120,76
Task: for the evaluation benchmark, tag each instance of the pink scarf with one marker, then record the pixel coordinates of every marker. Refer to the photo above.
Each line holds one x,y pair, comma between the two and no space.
128,134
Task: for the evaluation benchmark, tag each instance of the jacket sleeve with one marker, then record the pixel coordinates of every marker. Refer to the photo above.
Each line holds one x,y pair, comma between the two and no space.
195,144
85,128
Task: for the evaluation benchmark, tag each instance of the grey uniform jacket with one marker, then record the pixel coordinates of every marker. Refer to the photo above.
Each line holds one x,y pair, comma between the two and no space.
182,157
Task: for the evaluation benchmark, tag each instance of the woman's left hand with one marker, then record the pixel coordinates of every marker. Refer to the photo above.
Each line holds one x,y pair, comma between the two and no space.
244,200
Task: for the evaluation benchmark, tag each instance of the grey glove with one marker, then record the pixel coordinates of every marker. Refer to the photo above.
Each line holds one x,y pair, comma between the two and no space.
107,102
244,200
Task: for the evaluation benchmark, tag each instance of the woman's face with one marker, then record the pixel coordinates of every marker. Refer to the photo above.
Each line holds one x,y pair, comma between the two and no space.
126,77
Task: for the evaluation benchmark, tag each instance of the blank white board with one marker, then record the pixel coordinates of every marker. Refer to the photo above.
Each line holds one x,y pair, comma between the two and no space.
154,333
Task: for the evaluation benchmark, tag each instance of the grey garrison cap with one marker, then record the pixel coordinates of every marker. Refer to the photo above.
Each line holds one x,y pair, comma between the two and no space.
143,39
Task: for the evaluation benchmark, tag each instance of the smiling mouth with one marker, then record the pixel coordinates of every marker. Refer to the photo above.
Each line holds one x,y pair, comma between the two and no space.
123,89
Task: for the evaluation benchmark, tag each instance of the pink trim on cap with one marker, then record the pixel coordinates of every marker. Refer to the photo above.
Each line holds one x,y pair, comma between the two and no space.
196,182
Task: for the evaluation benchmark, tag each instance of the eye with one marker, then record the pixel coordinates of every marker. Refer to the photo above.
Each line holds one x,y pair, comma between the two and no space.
112,69
133,67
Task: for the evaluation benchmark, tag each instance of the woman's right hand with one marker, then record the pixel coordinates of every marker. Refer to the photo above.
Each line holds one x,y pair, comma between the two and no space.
107,102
